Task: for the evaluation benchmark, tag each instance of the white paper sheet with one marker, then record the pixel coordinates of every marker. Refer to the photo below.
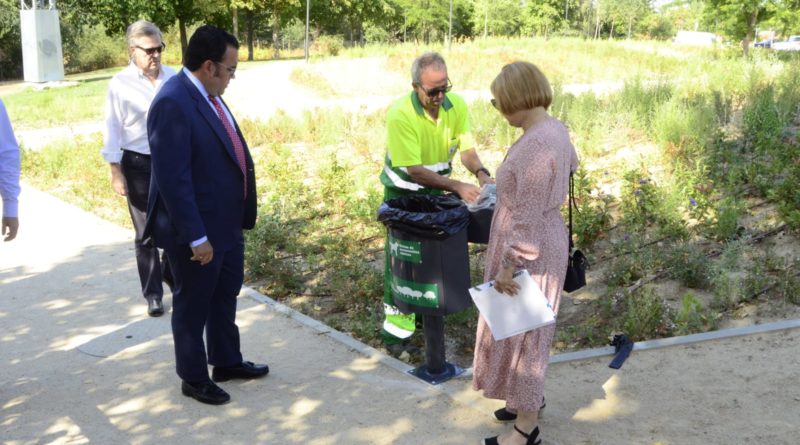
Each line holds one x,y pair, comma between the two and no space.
507,315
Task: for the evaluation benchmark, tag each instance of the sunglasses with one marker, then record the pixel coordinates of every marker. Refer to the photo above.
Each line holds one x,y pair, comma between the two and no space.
434,92
494,102
153,50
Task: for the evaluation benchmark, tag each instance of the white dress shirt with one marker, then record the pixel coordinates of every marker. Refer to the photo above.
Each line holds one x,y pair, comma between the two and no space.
196,82
9,165
130,94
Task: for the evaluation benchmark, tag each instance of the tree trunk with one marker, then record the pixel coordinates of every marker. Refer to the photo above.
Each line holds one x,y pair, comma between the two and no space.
630,26
235,16
486,23
751,26
250,33
184,41
276,24
597,22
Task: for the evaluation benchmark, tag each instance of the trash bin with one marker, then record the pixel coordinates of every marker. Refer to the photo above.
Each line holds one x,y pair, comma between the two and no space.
428,253
480,215
429,261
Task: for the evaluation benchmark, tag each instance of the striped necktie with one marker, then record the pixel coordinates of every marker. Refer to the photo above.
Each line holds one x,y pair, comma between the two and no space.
238,147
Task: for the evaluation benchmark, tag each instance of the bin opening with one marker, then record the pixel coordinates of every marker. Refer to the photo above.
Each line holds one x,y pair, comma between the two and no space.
427,216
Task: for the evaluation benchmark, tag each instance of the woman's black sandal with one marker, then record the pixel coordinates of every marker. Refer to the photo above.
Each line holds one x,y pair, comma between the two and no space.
503,415
531,439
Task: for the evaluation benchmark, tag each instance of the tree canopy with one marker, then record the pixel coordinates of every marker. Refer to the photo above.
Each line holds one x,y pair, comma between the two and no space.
357,22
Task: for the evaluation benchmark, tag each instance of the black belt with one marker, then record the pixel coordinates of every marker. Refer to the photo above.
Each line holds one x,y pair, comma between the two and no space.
135,153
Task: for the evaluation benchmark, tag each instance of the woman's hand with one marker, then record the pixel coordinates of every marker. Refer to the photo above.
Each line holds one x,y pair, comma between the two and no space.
504,281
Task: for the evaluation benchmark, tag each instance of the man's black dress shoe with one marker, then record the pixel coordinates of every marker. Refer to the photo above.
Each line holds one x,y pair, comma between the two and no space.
155,308
205,392
247,370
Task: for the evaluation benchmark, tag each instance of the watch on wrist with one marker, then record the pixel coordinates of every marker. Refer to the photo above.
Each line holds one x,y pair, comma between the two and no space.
483,169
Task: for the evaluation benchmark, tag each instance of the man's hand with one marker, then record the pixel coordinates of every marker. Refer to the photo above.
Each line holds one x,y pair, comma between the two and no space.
118,180
10,227
504,281
203,253
484,179
467,192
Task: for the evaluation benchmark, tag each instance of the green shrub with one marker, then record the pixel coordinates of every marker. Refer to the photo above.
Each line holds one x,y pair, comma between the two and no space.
645,204
592,218
629,264
688,264
683,127
729,211
692,317
645,316
328,45
762,121
93,49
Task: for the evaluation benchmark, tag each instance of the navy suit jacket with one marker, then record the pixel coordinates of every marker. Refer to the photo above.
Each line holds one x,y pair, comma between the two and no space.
197,186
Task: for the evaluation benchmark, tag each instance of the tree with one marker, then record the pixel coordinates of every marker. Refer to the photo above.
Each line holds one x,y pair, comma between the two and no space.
542,17
357,13
623,14
116,15
279,13
10,51
786,17
738,19
425,18
498,17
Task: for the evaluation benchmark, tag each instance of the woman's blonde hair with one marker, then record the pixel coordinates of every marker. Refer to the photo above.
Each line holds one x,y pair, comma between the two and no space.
521,86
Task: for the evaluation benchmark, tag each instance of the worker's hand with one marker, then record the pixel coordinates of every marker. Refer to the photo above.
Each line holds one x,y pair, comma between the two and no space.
504,281
203,253
467,192
484,179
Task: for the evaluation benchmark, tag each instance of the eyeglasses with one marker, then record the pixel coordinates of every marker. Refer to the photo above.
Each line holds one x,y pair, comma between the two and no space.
153,50
231,69
434,92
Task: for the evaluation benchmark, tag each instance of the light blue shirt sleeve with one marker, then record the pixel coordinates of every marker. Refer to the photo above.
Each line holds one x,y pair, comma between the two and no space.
9,165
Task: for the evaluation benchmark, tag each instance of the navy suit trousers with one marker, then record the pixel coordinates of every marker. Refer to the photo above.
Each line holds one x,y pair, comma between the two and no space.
204,297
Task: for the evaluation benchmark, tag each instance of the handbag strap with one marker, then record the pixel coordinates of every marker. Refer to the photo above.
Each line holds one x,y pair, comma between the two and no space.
571,203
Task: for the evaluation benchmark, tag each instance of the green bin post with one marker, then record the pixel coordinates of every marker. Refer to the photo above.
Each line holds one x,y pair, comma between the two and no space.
430,277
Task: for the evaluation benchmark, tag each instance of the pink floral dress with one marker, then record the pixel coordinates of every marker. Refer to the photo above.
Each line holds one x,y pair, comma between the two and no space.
528,230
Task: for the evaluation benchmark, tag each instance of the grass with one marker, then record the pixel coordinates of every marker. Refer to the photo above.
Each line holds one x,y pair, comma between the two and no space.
55,107
75,172
670,167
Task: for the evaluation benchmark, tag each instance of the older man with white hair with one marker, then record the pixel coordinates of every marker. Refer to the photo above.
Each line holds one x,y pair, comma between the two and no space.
127,150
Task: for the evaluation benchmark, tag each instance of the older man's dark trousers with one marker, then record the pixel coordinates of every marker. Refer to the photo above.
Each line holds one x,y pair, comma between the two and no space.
136,169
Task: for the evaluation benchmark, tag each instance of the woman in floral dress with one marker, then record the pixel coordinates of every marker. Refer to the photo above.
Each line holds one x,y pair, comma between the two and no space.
529,233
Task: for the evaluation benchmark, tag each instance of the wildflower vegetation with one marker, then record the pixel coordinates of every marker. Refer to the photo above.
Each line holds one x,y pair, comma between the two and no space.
687,198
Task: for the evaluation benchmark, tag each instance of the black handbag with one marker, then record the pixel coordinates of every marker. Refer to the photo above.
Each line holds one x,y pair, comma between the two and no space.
577,264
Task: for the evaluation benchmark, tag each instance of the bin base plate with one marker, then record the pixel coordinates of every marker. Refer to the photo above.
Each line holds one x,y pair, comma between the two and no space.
450,371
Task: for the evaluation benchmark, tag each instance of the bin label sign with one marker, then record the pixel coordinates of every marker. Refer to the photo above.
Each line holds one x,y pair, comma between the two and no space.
418,294
405,250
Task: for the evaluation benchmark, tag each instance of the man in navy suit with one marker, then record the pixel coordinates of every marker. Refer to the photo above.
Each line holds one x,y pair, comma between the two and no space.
202,194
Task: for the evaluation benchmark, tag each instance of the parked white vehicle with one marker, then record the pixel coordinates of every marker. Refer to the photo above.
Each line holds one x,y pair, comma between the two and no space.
696,38
793,44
